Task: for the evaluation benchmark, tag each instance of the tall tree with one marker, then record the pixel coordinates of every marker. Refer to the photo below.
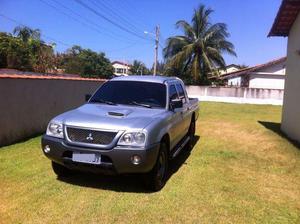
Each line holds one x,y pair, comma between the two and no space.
199,50
4,45
139,68
43,60
86,63
25,51
26,33
18,55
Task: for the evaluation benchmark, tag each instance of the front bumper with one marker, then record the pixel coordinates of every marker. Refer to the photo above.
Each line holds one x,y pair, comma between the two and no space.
113,161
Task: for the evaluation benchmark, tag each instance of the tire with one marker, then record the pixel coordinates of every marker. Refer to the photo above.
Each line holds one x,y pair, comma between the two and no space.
156,178
60,170
191,133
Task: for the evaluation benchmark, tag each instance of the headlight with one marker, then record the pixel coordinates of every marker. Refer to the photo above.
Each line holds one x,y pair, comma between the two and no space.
55,130
133,138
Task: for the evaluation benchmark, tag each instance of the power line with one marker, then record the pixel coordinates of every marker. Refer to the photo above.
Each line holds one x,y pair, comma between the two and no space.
90,22
125,48
82,23
108,19
77,14
162,37
48,37
116,14
140,15
136,10
69,45
110,33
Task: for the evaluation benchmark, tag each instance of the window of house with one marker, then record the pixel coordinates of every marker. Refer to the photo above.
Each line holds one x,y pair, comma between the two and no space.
119,70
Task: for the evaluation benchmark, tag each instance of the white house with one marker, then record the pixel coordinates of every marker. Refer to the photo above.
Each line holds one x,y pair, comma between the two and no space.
270,75
287,23
121,68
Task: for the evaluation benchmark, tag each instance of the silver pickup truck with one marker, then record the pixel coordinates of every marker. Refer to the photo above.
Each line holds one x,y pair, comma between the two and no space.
133,124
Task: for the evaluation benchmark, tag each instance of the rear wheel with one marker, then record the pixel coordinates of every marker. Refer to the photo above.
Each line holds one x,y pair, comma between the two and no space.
156,178
60,170
191,133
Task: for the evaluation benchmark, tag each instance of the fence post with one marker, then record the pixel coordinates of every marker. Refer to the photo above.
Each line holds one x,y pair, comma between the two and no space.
245,93
205,91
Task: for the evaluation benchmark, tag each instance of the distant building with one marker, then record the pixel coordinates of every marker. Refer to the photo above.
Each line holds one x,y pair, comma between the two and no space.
121,68
229,69
270,75
287,23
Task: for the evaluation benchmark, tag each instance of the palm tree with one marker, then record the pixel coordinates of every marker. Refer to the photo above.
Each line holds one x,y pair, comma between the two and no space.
25,33
139,68
200,49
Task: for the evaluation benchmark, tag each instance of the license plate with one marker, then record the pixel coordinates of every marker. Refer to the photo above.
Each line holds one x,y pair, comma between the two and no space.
86,158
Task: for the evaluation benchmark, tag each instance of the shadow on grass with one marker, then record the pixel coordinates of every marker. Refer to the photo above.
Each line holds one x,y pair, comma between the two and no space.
180,160
275,127
125,183
8,142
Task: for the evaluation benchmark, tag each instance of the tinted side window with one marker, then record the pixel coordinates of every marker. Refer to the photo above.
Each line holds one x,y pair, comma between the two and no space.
172,92
181,92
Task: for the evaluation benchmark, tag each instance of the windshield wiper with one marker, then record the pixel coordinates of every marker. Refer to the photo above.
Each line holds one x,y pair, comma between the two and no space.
140,104
103,101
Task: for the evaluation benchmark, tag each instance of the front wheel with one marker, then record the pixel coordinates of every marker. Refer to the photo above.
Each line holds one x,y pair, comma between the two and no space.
156,178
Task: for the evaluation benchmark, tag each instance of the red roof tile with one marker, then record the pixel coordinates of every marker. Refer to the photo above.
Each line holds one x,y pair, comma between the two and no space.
121,63
285,18
252,69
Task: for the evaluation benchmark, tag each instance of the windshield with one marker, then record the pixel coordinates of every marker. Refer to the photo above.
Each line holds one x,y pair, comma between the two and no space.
144,94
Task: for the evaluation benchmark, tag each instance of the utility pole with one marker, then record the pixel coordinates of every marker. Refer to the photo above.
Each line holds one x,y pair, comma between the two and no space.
156,48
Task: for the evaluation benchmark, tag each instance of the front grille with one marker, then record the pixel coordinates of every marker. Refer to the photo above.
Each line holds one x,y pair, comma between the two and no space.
90,136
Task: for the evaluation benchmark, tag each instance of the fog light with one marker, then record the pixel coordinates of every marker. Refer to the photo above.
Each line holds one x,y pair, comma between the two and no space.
136,159
47,149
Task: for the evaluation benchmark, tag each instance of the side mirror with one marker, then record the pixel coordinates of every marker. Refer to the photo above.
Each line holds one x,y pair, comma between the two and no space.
87,97
177,103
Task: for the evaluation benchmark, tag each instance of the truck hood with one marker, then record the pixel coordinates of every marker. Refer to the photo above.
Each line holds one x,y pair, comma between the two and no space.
101,116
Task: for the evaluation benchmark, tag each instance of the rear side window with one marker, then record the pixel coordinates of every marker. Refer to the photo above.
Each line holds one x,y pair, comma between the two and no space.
181,92
173,92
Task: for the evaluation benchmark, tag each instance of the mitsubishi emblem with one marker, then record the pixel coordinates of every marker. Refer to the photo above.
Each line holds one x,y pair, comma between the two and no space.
89,137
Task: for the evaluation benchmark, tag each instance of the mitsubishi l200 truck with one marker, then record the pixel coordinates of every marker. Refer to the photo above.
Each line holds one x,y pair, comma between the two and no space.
131,124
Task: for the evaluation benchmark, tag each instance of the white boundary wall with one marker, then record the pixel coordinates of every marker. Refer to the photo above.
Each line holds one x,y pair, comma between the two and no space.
236,95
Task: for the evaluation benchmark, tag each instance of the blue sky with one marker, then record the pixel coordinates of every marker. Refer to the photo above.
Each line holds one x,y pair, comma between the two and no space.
249,22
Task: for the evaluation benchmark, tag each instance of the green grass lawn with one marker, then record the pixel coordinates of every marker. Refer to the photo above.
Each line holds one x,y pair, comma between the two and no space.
239,171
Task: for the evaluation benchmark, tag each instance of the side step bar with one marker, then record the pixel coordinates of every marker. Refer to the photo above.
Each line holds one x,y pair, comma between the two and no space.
180,147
